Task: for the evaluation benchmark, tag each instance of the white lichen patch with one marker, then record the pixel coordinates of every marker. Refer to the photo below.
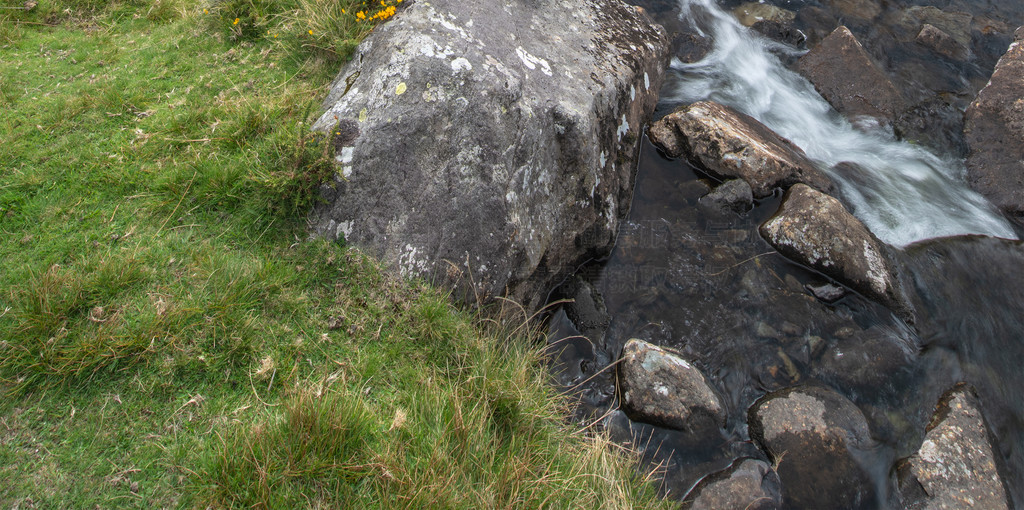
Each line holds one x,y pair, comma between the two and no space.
877,275
531,62
461,64
411,263
623,128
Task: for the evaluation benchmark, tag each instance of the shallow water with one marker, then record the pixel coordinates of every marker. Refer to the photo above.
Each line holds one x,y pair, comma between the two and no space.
705,283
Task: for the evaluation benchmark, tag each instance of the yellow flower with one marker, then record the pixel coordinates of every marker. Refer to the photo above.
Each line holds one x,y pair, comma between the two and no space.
310,32
236,21
361,15
206,11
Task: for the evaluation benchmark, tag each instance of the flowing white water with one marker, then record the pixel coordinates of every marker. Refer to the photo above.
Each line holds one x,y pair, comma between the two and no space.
902,192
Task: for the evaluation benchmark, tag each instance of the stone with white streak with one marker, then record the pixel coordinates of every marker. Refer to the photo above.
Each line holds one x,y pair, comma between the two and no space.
815,229
661,388
490,147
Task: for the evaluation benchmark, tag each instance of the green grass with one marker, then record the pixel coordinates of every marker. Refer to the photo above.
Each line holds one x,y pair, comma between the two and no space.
170,336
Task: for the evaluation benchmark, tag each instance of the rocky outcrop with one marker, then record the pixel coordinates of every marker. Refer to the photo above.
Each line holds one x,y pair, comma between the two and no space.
815,229
955,466
813,435
844,74
491,147
995,133
748,484
729,144
661,388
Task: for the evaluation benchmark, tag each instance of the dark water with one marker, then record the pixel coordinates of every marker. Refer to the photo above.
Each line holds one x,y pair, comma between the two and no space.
705,283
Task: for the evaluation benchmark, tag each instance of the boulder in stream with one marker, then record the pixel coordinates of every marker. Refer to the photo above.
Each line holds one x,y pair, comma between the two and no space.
815,229
661,388
813,436
491,147
956,465
730,144
843,73
995,133
747,484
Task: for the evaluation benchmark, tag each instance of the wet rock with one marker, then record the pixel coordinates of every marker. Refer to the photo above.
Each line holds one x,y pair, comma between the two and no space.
750,13
813,435
995,133
661,388
733,195
865,10
690,47
729,144
586,310
940,42
780,31
957,25
827,292
955,466
864,362
747,484
815,229
816,22
843,73
491,150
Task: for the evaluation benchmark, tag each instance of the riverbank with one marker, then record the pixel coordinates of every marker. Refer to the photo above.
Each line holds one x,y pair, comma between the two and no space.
170,335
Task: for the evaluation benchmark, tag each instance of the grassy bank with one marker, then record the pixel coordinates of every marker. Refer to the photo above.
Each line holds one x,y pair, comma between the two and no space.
169,336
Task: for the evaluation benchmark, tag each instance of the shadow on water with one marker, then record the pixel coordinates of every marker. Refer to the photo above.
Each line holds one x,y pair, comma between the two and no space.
702,281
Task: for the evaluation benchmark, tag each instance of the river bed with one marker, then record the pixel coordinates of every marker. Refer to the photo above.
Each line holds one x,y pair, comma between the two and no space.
703,282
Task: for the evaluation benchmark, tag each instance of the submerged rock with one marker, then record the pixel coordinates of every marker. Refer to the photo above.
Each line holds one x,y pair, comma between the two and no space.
661,388
733,195
864,362
955,466
995,133
940,42
751,12
813,435
747,484
827,292
815,229
843,73
491,147
729,144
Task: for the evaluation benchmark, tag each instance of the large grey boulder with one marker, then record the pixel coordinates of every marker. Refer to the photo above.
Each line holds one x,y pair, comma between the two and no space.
955,466
661,388
843,73
995,133
491,146
814,437
730,144
815,229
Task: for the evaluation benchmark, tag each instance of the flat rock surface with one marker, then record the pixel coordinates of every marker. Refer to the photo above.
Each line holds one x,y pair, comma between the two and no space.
490,147
995,133
813,434
729,144
955,466
661,388
816,230
844,74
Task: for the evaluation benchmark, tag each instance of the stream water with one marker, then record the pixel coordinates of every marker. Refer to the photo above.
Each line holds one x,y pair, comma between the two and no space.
703,282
